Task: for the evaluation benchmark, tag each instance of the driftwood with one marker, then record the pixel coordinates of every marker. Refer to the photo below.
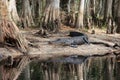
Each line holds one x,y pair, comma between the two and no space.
12,73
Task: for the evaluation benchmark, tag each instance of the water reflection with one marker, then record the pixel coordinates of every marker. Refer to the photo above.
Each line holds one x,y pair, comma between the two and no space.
11,72
101,68
72,68
75,68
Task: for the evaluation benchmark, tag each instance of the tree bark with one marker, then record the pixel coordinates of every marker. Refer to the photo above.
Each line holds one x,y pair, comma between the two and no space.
108,15
13,11
51,19
26,16
87,15
118,16
9,32
80,18
68,6
73,6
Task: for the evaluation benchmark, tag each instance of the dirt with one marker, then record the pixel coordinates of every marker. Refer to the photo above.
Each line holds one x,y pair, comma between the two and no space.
39,47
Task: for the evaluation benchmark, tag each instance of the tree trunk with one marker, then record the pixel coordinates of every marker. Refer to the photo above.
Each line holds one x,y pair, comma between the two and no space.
26,16
108,9
87,14
118,16
71,7
80,18
108,15
93,13
35,7
9,32
69,14
68,6
13,11
73,12
51,19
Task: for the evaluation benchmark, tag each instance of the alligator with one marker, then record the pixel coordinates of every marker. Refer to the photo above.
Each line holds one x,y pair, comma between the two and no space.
76,38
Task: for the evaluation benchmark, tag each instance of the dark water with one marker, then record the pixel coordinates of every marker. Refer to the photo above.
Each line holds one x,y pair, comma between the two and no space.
72,68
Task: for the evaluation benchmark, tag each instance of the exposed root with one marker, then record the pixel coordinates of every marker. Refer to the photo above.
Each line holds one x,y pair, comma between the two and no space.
115,46
10,34
42,33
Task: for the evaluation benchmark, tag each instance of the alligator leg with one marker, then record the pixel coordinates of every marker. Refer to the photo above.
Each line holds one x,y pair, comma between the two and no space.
86,41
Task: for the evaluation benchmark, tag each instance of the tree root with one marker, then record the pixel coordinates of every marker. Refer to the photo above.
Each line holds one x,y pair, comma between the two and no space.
115,46
10,34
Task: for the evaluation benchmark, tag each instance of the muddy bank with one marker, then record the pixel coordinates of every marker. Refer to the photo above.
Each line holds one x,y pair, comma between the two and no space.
39,47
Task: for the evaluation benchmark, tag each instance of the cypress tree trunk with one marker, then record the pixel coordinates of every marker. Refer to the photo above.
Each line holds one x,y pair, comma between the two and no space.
73,6
51,18
13,11
68,6
93,13
108,15
26,14
87,14
9,32
80,18
118,16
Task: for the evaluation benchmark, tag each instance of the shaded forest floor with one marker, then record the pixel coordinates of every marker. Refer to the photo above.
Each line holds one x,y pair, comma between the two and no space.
39,47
